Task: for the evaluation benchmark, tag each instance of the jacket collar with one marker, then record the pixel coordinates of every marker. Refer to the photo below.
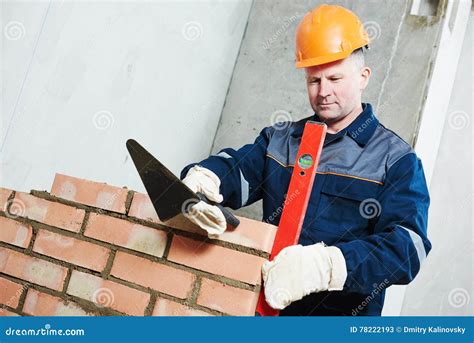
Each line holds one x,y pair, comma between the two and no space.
360,130
363,127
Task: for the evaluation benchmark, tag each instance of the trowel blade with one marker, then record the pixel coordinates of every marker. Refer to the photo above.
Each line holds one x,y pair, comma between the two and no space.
167,193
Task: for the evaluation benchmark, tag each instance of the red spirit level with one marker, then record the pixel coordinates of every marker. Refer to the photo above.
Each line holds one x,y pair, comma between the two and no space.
299,191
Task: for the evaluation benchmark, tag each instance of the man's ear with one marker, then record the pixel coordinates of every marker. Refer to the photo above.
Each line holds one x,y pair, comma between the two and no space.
364,77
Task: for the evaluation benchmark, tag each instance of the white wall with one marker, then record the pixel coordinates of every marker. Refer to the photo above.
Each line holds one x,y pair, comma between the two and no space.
445,85
445,284
80,78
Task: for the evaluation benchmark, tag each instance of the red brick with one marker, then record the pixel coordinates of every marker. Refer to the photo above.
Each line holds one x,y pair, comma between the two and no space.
250,233
4,194
6,313
126,234
165,307
216,259
32,269
153,275
15,233
90,193
42,304
105,293
81,253
47,212
227,299
182,223
142,208
11,292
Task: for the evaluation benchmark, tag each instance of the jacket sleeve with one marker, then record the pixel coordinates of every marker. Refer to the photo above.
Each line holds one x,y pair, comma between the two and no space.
240,171
394,252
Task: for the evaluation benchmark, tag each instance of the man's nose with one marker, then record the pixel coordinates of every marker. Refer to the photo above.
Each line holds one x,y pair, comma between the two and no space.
324,88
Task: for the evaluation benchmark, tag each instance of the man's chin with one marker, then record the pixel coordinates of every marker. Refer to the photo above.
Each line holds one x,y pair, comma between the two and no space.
328,116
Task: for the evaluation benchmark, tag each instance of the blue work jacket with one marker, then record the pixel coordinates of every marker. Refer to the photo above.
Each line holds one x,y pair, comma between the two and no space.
369,199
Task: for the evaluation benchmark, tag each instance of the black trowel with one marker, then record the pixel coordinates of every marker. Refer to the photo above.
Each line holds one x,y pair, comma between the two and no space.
168,194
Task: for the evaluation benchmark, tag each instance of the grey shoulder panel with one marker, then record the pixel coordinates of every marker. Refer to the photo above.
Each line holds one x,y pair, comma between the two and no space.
284,143
345,156
371,161
391,144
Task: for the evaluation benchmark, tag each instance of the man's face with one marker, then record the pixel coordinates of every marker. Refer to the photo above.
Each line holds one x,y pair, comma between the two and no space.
335,88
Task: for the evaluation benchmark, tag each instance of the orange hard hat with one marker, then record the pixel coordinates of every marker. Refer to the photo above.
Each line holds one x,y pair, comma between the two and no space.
326,34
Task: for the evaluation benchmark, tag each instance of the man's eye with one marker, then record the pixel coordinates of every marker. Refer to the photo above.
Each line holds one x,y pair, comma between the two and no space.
335,78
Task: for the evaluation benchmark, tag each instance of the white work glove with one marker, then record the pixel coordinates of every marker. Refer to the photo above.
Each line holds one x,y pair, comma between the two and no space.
200,179
207,217
300,270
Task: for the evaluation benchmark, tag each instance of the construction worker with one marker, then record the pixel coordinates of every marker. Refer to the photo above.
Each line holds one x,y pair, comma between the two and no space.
365,226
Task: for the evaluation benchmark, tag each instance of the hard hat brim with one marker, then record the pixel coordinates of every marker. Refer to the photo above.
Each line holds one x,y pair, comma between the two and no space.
311,62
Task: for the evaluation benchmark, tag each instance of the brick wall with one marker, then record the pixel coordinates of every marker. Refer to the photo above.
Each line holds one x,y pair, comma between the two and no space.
88,248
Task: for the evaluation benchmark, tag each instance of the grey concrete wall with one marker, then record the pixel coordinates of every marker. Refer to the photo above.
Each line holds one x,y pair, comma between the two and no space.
81,77
266,85
445,284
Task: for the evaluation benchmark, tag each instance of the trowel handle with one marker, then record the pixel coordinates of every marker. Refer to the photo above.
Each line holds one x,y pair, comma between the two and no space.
231,220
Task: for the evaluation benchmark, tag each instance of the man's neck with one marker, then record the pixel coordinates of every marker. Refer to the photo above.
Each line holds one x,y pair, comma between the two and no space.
335,127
